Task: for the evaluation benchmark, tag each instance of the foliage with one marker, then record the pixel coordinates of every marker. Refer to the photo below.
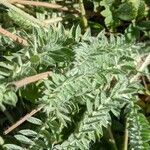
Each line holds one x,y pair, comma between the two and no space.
137,122
90,89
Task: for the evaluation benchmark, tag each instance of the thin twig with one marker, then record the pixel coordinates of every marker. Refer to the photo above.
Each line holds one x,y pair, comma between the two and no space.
14,37
31,79
22,120
21,83
45,4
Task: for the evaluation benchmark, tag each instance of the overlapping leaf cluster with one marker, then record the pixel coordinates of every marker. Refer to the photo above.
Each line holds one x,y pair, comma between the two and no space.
91,78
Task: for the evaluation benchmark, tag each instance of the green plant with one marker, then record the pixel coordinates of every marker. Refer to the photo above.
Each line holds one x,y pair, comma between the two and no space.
82,86
95,83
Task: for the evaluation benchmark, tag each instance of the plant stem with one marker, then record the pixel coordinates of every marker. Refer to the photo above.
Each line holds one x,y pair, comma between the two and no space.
83,14
14,37
112,140
44,4
125,146
27,116
31,79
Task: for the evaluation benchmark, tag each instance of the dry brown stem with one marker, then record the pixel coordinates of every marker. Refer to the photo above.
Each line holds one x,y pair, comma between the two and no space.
14,37
22,120
31,79
21,83
44,4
